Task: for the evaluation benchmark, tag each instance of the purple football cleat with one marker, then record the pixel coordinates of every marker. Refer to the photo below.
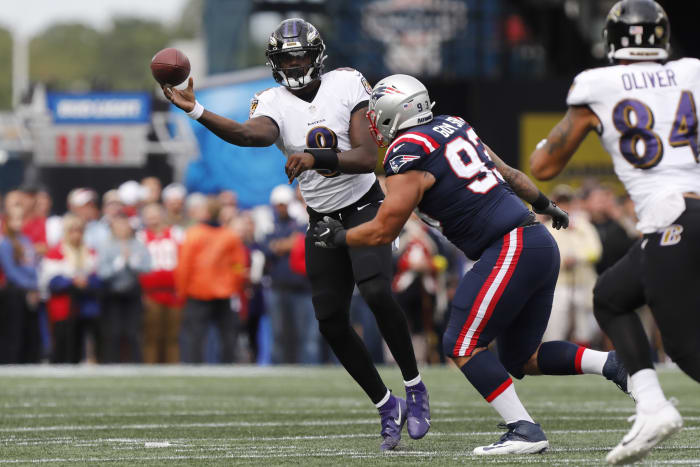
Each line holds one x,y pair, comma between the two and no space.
393,415
418,410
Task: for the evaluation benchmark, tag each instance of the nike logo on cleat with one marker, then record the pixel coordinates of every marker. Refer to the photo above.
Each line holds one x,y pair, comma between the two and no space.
398,419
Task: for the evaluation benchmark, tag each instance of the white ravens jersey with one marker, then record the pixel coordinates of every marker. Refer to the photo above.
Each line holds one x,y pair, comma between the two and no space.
322,123
649,125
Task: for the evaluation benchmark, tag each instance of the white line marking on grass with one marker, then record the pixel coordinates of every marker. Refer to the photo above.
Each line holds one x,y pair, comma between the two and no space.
157,444
223,413
342,453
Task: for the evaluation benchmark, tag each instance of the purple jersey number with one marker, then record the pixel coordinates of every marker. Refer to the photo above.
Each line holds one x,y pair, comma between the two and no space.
635,121
684,131
323,137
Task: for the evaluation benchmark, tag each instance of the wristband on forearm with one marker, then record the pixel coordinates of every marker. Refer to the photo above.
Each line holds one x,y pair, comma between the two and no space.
324,158
197,112
541,203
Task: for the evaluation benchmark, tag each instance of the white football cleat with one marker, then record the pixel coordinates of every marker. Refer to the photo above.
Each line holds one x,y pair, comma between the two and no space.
649,429
522,438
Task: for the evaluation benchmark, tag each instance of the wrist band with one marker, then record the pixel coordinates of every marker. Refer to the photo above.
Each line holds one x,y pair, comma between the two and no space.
324,158
197,112
541,203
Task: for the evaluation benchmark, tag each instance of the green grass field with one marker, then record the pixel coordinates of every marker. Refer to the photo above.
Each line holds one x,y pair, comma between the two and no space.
286,415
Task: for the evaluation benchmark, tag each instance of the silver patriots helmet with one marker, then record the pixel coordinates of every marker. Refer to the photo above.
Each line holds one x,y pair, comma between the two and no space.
637,30
397,102
294,41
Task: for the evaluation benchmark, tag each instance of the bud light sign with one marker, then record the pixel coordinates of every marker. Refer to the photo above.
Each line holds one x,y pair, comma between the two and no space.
100,108
94,130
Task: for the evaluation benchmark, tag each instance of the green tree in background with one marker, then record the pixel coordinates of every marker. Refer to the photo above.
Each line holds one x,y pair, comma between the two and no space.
74,56
126,51
5,71
65,56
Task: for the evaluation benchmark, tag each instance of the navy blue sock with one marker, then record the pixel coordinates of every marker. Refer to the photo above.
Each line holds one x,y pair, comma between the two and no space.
487,375
560,358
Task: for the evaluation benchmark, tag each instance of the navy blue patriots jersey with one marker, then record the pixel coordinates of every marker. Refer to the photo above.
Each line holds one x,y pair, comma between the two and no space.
470,201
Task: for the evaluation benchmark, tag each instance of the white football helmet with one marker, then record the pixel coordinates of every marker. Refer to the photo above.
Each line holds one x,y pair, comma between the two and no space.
397,102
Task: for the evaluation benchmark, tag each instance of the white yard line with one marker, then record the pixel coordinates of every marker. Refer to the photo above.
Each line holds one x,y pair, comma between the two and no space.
544,459
156,426
224,413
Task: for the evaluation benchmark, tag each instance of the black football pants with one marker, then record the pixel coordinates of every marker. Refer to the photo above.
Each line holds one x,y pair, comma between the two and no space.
333,273
663,271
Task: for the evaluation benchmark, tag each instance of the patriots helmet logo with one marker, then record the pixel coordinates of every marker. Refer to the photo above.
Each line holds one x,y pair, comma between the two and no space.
383,90
399,161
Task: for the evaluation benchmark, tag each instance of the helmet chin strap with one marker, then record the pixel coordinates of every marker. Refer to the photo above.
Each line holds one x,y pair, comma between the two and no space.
295,83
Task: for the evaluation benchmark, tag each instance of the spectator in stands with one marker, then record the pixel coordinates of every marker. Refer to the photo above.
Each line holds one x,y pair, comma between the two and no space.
83,203
132,194
416,285
210,271
296,337
162,307
197,210
151,189
54,222
34,226
111,207
19,324
606,215
228,198
252,302
68,275
121,261
579,246
174,203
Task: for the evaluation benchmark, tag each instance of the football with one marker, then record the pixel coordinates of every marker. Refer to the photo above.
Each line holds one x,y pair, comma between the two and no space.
170,66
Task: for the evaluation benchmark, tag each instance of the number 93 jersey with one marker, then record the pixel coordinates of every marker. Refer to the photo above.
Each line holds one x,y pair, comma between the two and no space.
649,126
322,123
469,202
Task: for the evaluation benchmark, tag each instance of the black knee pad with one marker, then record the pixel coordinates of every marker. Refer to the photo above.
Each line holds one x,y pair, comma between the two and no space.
376,291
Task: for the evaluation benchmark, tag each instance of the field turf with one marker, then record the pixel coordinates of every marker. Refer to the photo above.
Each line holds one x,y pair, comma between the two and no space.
310,416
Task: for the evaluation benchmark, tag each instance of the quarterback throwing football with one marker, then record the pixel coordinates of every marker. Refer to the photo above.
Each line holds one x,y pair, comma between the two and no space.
318,121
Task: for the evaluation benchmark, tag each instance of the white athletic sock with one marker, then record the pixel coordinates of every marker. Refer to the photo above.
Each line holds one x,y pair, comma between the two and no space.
592,362
646,389
412,382
384,400
508,405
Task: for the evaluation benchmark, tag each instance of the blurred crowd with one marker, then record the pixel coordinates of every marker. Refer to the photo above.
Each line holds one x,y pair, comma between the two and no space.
601,231
158,275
